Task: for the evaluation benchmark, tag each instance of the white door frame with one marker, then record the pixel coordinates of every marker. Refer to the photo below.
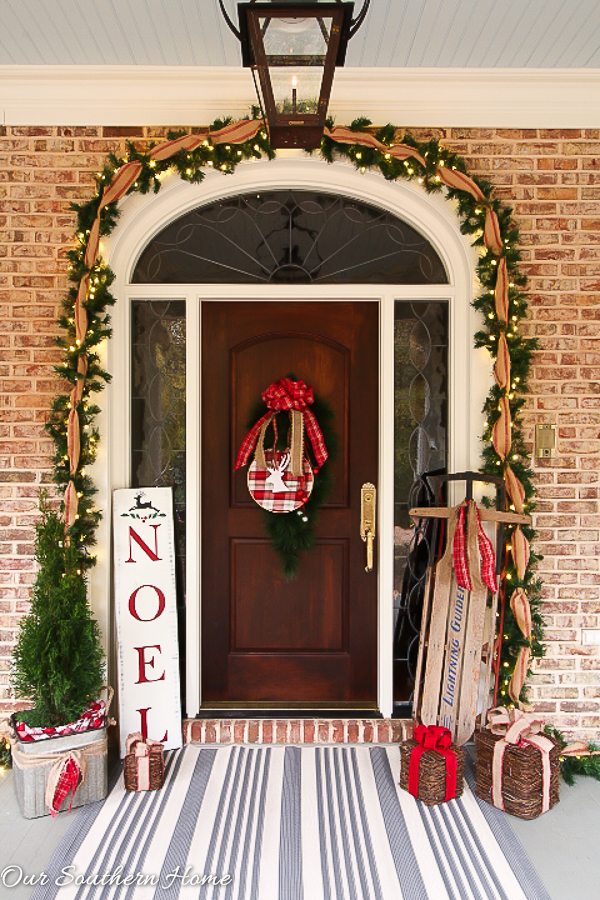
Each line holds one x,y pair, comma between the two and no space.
469,370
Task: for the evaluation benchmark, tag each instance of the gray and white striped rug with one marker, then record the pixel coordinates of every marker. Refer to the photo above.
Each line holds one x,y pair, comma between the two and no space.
287,823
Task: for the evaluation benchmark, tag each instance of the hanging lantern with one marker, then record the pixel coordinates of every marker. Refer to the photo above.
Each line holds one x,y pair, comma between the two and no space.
293,49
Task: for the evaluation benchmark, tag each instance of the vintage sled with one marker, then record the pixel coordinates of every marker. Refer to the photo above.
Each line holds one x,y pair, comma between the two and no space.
454,663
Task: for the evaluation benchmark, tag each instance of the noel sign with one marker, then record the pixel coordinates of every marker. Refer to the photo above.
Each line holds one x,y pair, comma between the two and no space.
146,612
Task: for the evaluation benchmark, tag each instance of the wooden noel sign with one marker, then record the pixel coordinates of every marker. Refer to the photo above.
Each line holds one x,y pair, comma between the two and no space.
459,620
282,481
146,613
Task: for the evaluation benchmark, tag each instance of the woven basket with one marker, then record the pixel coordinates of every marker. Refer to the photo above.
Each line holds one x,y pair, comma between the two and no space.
521,774
432,772
156,766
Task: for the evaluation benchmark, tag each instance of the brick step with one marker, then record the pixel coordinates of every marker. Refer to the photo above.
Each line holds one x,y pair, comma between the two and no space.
296,731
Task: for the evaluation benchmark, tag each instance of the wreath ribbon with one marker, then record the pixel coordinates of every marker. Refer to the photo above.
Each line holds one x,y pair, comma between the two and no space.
293,396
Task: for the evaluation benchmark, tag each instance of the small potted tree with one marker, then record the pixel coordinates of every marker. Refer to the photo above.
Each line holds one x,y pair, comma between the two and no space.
58,666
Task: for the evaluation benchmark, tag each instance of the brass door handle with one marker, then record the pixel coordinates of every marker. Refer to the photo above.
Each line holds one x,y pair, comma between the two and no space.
368,501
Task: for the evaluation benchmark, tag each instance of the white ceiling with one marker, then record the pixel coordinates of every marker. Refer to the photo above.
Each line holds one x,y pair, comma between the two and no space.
537,34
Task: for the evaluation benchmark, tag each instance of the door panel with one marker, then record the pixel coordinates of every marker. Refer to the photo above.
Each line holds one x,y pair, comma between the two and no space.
264,639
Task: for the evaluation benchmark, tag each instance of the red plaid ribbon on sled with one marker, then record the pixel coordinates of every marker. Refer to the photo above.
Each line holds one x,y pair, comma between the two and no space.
280,396
461,557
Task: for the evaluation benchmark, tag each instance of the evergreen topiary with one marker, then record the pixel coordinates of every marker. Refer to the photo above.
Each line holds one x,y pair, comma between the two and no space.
58,662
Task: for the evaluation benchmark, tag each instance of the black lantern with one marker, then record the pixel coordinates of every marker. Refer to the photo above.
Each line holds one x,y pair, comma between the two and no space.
293,49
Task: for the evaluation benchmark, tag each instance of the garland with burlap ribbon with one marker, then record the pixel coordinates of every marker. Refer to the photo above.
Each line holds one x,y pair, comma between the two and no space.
85,324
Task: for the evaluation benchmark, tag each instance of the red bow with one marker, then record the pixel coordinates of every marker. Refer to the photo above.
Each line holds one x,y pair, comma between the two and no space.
439,739
286,395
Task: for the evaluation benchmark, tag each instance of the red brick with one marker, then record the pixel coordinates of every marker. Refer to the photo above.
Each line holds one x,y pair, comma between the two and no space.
323,732
353,731
368,731
309,731
384,731
338,731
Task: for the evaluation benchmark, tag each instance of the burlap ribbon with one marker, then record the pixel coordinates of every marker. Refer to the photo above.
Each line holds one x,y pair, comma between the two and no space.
438,739
519,729
142,748
121,182
579,748
295,397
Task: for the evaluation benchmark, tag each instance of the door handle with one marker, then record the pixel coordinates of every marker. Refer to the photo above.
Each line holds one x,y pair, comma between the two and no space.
368,501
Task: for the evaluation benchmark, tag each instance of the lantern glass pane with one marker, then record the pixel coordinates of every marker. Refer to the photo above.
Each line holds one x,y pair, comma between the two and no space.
296,90
302,41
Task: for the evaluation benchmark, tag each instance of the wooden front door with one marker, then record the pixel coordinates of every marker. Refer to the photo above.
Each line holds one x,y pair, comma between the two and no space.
314,639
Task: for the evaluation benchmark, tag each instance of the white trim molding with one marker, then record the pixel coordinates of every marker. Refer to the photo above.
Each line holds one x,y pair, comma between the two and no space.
178,95
470,371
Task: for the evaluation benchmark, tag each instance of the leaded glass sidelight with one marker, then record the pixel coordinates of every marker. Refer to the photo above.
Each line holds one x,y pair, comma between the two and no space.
289,237
158,336
420,429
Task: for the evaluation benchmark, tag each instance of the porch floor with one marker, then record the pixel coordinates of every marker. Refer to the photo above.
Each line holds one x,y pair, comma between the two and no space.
562,845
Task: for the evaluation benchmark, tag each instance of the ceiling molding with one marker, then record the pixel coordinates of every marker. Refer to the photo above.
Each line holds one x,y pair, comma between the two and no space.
182,95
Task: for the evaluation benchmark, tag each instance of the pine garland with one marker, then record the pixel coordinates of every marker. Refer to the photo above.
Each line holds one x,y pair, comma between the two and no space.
191,167
5,754
578,764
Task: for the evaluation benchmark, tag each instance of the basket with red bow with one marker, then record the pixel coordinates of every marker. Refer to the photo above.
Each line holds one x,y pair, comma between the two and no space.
432,767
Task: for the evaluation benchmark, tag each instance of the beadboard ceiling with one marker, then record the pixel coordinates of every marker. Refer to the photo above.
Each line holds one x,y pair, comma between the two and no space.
515,63
546,34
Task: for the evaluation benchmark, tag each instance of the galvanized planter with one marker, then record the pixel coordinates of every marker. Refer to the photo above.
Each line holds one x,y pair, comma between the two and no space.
30,778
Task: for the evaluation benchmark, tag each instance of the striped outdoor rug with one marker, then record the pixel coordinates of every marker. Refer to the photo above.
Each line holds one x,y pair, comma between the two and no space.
288,823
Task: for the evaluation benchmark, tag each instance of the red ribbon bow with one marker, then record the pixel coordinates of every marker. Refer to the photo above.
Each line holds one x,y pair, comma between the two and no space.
68,780
439,739
288,394
280,396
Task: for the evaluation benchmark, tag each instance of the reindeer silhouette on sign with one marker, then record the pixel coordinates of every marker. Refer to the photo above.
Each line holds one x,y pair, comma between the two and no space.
139,505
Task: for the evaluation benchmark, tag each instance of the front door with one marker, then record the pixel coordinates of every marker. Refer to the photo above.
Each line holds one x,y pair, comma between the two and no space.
264,640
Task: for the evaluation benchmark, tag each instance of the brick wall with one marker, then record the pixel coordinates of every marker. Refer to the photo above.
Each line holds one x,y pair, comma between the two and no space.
550,177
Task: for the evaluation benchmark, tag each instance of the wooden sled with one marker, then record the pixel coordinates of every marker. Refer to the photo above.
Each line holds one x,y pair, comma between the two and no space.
454,663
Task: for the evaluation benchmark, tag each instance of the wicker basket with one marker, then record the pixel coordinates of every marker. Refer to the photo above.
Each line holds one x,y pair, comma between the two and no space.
522,786
156,768
432,772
